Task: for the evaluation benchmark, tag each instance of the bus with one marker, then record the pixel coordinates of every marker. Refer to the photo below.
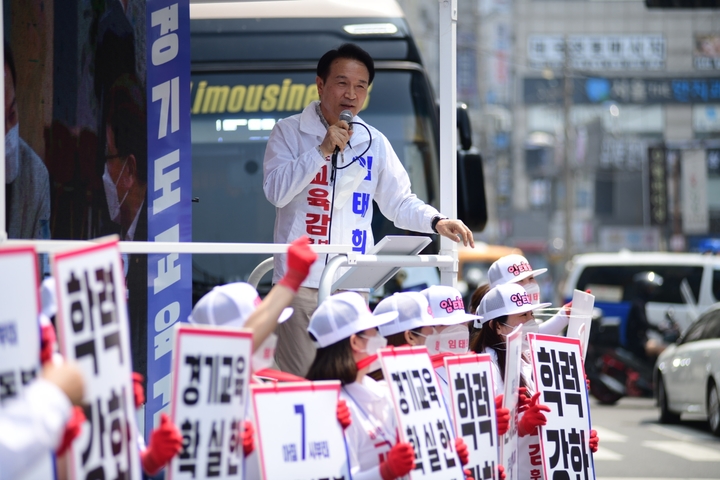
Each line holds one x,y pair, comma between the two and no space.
253,63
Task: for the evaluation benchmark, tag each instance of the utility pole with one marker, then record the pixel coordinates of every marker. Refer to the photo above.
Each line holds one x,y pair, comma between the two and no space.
567,152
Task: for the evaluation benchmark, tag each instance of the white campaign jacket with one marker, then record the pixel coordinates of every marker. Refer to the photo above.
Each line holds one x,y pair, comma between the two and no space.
31,427
529,454
373,430
297,182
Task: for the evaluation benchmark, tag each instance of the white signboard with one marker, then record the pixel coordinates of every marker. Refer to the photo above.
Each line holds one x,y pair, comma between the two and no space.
560,378
695,213
509,441
422,416
298,434
581,318
211,374
20,334
598,52
93,329
472,389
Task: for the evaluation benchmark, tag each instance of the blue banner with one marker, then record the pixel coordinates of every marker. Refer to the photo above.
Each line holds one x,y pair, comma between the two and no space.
169,193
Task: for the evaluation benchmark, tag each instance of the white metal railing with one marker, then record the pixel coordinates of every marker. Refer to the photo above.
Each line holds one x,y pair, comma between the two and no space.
52,246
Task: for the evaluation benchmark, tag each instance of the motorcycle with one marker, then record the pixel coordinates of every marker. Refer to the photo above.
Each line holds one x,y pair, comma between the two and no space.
614,372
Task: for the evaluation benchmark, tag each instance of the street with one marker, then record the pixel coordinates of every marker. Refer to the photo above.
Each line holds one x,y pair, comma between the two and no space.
633,445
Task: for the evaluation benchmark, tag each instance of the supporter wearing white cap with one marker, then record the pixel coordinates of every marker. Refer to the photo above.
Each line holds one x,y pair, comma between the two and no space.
347,339
503,308
516,269
415,325
413,313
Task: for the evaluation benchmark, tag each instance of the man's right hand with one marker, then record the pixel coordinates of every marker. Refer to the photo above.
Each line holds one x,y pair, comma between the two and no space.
337,135
68,378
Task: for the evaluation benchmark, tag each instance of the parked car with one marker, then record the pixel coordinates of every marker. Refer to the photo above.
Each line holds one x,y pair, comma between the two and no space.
610,277
687,373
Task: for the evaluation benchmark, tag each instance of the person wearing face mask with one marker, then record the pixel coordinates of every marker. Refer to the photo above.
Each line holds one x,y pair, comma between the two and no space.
516,269
27,182
347,340
447,334
502,309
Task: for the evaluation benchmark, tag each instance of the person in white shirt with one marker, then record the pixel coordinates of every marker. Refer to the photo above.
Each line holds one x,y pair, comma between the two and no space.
348,340
322,174
516,269
33,424
502,309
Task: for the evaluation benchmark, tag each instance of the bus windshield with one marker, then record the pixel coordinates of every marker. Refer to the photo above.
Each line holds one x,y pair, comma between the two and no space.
232,116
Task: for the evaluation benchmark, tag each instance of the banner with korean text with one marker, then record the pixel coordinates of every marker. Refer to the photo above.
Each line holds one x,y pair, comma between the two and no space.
20,334
211,374
560,379
423,419
93,331
298,434
169,196
509,441
472,389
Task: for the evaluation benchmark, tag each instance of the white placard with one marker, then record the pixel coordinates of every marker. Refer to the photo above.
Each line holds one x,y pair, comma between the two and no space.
472,389
211,376
20,334
509,441
298,434
93,329
560,378
581,318
421,412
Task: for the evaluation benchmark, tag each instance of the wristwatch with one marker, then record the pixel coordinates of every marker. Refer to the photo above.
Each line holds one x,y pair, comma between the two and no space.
435,221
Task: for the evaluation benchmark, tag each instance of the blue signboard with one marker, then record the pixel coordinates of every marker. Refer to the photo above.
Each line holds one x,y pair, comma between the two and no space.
642,91
169,190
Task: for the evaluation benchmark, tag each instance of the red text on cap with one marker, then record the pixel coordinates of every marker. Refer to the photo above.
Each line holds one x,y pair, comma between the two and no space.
518,269
451,305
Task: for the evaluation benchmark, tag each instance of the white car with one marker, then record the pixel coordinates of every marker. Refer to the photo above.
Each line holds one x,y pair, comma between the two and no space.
687,373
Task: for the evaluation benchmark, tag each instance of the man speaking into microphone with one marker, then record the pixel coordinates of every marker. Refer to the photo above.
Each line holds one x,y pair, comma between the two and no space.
322,173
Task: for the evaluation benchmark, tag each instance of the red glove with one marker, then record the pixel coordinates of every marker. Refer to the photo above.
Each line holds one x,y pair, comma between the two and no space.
594,441
501,472
587,382
165,443
299,260
462,451
47,343
72,430
523,400
138,390
247,438
502,415
533,417
468,475
343,414
400,461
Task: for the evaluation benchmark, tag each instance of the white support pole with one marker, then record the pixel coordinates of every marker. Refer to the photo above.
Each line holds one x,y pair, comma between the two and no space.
3,220
448,130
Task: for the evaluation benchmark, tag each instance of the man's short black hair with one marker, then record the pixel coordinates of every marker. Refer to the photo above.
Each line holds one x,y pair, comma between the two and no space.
10,62
126,116
349,51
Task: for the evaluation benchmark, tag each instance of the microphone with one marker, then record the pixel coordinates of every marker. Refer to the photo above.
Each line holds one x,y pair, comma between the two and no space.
346,115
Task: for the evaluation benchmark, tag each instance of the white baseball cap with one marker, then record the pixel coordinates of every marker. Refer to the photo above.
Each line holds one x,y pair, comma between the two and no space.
342,315
508,299
447,306
510,269
229,305
412,308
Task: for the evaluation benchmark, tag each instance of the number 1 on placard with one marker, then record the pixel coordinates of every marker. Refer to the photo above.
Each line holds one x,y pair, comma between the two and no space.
300,409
